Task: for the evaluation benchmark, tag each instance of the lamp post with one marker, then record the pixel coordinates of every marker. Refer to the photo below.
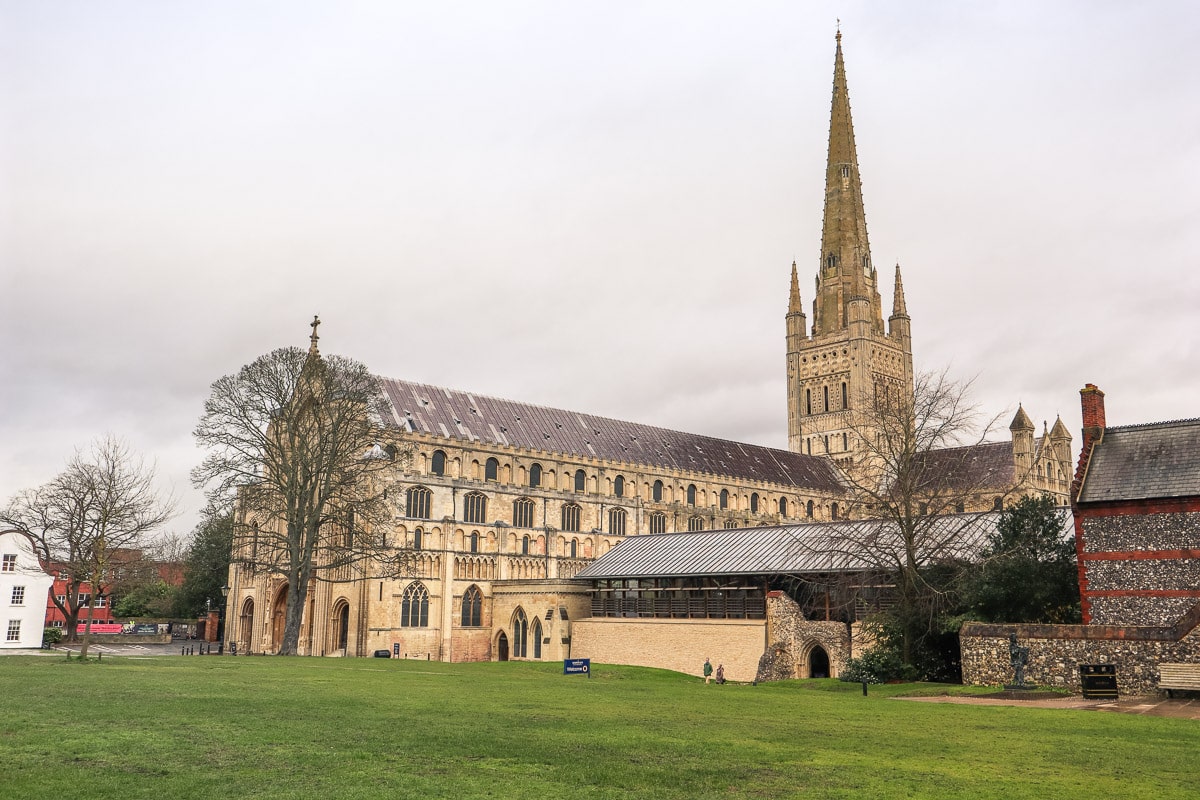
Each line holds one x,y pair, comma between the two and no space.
222,612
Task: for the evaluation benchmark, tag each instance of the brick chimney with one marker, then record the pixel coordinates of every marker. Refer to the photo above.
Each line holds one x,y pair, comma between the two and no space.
1092,401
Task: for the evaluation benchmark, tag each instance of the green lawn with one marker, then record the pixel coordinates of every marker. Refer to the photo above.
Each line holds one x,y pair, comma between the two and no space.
174,727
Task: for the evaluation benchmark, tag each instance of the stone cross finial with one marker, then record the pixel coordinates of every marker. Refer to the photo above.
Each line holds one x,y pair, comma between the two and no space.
313,347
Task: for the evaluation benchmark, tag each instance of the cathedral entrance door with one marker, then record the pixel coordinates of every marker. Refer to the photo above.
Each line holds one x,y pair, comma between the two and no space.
341,627
247,625
502,646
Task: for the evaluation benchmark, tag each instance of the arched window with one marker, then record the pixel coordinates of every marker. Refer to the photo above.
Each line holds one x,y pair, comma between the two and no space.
491,469
523,512
923,509
616,521
535,633
475,507
570,517
845,441
959,507
520,637
525,545
724,501
535,475
808,401
696,523
998,504
691,494
826,397
580,480
472,607
656,492
473,541
573,548
808,509
417,502
619,486
833,511
783,506
658,522
754,503
418,539
439,463
845,396
414,607
826,443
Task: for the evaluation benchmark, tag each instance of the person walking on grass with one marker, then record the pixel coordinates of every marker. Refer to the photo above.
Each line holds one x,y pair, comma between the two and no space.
720,674
707,670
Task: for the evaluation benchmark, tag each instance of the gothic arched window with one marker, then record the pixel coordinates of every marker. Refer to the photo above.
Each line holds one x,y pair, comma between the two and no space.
414,607
616,521
696,523
475,507
472,607
808,509
656,492
691,494
783,506
724,498
570,517
491,469
580,480
520,637
535,475
523,512
438,466
535,633
619,486
658,522
417,502
754,503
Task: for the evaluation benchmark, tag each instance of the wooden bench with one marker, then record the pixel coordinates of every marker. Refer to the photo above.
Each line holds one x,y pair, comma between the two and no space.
1182,677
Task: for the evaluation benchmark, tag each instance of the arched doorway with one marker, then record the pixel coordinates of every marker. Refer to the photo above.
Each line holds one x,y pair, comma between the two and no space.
502,647
340,632
278,618
818,662
246,626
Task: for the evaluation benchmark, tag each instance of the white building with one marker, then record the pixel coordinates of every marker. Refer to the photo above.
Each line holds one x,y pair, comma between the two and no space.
24,586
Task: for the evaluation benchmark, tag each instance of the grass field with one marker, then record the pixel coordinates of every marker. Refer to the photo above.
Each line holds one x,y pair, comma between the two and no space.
213,727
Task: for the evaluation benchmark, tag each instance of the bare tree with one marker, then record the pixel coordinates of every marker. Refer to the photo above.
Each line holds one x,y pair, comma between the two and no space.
299,449
923,459
98,511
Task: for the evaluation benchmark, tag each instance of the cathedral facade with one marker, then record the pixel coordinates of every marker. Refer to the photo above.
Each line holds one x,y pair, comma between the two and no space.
503,502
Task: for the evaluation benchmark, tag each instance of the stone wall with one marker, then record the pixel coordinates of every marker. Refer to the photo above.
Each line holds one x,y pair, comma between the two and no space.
792,643
1056,651
676,644
1138,562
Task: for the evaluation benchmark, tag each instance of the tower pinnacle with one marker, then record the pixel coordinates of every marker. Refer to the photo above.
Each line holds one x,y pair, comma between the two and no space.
794,304
312,347
899,309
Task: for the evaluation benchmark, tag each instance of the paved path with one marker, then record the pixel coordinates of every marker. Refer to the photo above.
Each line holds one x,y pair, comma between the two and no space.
1148,706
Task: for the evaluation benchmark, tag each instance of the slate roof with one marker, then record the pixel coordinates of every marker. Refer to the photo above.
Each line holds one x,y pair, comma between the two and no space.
978,466
782,549
1141,462
476,418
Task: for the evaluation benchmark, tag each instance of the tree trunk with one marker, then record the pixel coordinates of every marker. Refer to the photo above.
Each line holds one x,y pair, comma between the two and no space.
294,614
87,629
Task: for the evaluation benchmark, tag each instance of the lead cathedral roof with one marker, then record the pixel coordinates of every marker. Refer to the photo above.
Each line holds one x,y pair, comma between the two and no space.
471,417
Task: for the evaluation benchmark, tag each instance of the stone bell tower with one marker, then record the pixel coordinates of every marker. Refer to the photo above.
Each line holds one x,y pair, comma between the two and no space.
848,357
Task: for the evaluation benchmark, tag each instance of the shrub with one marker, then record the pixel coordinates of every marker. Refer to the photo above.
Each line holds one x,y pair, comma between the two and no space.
877,666
51,636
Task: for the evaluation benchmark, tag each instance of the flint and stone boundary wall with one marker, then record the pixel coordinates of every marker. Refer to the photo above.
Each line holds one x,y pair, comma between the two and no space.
1057,651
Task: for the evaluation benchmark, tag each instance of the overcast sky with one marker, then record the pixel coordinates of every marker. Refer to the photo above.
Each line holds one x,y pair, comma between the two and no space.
592,206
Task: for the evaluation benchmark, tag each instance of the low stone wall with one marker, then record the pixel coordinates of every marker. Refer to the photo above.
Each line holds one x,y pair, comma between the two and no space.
1056,651
676,644
127,638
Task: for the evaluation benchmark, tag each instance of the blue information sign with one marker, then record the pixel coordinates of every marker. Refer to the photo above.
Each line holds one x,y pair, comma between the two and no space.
396,649
577,666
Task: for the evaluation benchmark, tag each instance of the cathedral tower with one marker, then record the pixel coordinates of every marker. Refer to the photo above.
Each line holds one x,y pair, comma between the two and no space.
848,357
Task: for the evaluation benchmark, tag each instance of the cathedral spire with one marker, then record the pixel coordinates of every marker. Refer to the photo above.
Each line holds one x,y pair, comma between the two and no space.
845,272
794,304
899,309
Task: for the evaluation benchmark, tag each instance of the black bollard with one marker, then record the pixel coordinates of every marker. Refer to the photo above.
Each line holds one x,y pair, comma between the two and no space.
864,688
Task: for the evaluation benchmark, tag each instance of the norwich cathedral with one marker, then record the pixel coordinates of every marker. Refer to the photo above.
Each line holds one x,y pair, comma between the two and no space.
505,503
